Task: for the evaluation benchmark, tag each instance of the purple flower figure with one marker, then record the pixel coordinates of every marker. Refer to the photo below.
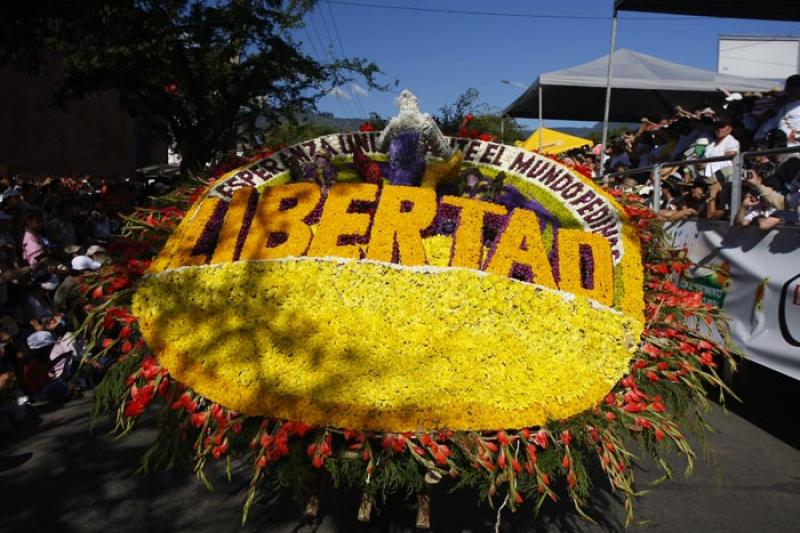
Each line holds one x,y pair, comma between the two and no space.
405,166
320,171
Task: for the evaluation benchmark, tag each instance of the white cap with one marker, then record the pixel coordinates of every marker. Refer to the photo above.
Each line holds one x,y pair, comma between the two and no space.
72,249
733,97
83,262
95,249
703,141
41,339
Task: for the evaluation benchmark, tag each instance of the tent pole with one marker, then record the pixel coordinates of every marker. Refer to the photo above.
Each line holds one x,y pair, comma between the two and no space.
608,88
540,118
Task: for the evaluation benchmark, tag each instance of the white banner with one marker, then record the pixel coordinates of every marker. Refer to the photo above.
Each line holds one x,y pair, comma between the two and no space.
755,277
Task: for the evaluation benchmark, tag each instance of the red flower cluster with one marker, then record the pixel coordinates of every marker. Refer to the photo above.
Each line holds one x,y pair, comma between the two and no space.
464,130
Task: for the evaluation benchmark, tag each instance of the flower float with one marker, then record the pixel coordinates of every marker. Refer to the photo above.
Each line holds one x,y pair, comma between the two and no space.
356,307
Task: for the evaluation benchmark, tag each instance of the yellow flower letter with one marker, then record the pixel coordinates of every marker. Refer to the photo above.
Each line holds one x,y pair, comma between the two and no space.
521,243
402,214
270,219
469,233
336,221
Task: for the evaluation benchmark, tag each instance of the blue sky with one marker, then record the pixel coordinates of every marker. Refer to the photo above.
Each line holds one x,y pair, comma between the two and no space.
438,56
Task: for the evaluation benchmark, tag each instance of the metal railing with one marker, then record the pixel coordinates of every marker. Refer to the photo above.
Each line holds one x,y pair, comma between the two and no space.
736,176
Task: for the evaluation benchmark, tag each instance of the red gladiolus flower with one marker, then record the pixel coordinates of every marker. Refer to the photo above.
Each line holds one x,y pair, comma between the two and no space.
566,437
198,419
565,462
140,398
637,407
541,438
659,435
150,367
184,402
163,387
572,480
531,451
219,450
317,461
125,332
518,497
502,438
97,293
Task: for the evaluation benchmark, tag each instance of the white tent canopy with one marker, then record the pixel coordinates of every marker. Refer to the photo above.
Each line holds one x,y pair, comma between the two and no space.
643,86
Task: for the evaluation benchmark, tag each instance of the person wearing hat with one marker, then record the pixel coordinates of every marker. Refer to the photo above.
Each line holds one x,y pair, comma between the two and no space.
98,253
79,267
724,144
38,307
37,379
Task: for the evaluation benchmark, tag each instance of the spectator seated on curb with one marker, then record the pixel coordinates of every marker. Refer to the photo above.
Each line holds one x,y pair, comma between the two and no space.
38,380
79,266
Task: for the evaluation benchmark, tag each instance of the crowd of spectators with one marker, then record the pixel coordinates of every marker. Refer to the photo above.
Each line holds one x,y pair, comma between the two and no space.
52,233
737,123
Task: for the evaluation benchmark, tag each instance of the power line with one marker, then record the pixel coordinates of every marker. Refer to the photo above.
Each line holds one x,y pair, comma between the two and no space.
342,103
494,13
357,97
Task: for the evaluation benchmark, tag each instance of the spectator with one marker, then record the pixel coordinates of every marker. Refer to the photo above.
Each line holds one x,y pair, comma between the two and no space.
33,245
724,144
756,208
80,265
789,114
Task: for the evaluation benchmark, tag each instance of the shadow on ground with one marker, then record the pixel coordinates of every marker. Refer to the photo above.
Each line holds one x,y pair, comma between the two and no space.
77,481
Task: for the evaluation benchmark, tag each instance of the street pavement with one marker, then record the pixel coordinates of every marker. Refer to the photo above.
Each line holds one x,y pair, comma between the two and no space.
82,481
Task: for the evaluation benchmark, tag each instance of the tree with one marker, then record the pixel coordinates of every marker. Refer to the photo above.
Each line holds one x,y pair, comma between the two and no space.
482,119
206,76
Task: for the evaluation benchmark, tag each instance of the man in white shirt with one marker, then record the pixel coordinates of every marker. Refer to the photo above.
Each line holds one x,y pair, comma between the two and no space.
789,121
724,144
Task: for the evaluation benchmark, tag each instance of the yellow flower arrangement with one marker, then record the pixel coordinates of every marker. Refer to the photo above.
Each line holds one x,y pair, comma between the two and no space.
467,248
395,226
232,226
569,245
336,221
177,251
519,245
416,349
